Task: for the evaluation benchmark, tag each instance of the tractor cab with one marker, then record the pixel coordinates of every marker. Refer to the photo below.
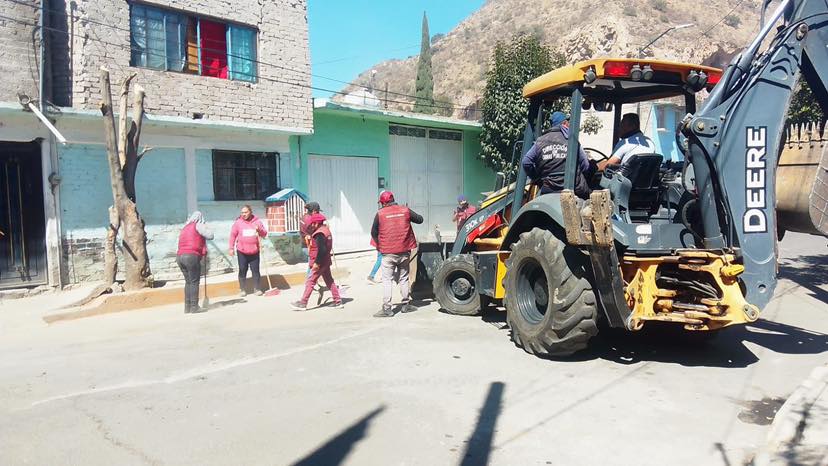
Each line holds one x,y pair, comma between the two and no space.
647,186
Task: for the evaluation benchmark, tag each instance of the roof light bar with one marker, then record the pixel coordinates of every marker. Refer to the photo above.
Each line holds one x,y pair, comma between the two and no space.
617,69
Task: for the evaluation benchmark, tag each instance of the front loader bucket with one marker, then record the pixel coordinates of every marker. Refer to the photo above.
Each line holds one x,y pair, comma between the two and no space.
802,181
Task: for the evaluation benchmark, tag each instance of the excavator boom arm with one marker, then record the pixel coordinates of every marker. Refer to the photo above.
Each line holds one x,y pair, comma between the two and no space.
735,139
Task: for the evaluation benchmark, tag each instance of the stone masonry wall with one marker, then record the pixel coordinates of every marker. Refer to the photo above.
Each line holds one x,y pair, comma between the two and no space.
84,261
282,40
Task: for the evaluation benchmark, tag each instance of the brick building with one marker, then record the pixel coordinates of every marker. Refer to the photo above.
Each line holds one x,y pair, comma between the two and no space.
227,88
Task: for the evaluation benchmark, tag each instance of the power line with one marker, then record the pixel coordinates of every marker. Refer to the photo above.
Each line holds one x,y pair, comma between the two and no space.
229,55
722,18
18,20
352,57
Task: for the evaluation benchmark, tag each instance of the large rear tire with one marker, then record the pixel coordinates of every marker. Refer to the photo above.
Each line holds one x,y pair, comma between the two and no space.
455,286
550,306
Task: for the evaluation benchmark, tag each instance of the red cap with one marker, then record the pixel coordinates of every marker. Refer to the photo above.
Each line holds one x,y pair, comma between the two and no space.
386,197
316,218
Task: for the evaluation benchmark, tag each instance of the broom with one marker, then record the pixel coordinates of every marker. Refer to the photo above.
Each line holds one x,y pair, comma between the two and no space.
205,303
270,290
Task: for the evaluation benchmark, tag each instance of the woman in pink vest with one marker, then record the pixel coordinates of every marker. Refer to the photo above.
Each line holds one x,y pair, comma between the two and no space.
244,239
192,246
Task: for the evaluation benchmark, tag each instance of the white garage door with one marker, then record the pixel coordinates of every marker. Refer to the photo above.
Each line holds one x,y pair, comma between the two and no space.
427,175
346,189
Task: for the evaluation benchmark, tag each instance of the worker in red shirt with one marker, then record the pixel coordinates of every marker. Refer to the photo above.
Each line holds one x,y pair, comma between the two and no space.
395,239
310,209
463,211
320,260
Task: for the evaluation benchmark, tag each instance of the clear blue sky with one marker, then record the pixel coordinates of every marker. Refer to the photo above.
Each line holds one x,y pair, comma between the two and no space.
348,37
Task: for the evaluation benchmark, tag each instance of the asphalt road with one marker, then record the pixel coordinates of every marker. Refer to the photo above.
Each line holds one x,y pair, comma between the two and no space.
255,383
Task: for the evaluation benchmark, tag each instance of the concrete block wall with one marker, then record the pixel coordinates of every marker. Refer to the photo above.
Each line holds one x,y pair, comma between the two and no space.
220,217
19,51
282,41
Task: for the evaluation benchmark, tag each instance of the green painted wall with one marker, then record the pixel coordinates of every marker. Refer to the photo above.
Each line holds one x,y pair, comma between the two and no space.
344,136
477,177
349,134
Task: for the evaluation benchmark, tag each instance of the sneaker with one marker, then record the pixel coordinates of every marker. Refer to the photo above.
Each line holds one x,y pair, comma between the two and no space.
373,280
339,305
198,310
242,293
259,292
385,313
409,308
299,306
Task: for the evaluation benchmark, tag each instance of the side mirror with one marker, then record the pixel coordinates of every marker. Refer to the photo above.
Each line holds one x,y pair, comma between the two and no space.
500,181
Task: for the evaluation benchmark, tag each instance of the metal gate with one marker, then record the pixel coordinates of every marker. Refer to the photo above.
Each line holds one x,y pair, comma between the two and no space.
346,189
22,225
427,175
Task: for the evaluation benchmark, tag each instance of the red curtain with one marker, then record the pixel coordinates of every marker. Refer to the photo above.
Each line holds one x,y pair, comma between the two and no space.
213,49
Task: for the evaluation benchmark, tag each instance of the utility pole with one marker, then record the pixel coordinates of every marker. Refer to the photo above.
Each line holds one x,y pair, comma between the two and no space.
385,102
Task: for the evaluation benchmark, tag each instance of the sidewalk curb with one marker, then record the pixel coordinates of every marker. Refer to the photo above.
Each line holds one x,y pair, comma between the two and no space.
153,297
790,423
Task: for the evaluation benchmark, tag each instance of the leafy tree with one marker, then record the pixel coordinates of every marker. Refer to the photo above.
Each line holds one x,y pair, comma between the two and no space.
732,21
437,37
443,105
804,107
503,107
424,86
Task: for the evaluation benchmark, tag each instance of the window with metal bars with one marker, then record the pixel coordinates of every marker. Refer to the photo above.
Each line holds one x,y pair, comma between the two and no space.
245,176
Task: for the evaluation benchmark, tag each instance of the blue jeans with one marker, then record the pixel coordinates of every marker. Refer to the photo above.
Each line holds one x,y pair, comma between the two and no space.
376,265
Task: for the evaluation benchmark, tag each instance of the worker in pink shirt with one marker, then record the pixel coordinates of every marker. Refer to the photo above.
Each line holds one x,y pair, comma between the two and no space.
244,239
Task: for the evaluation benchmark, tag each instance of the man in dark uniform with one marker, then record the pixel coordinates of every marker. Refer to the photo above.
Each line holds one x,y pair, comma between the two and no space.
545,162
394,236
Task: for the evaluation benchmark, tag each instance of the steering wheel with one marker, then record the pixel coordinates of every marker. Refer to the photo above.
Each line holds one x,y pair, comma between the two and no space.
590,149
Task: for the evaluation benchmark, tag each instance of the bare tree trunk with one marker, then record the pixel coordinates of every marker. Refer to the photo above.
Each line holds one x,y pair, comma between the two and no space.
122,167
110,259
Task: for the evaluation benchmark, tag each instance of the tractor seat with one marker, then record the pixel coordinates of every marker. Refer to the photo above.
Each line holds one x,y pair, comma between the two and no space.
643,171
635,186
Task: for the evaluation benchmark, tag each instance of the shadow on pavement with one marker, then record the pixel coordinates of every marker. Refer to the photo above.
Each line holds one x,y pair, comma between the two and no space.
725,349
335,450
225,303
809,272
479,444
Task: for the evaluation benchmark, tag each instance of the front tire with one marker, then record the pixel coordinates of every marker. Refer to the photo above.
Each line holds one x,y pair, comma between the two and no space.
550,306
455,286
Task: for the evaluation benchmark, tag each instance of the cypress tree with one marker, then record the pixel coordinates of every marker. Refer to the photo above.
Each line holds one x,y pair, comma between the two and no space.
424,86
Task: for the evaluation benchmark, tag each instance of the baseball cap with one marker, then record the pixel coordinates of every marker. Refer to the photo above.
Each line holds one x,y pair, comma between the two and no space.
556,118
386,197
316,218
313,205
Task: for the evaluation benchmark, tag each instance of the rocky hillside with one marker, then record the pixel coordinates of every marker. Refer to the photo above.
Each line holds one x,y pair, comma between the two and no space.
579,28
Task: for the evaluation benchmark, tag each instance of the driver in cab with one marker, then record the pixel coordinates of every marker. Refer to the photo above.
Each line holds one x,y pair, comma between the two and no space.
545,161
632,142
